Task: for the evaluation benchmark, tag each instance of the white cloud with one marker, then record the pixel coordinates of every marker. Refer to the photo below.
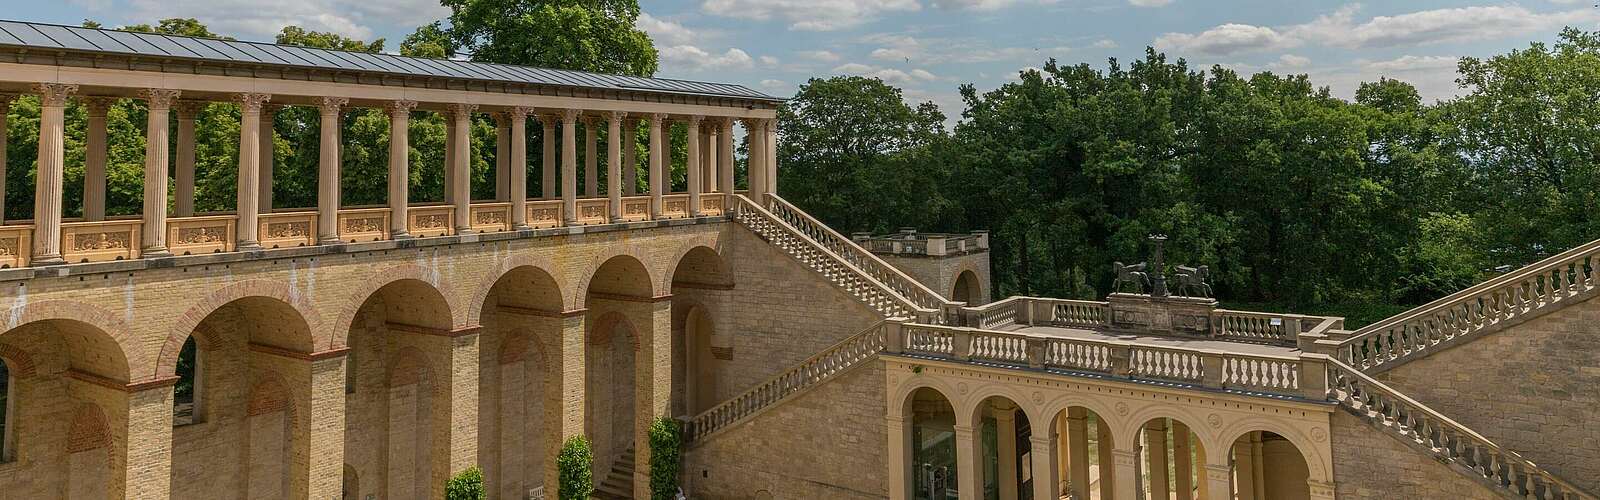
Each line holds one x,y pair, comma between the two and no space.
774,84
1434,26
666,32
819,55
1149,3
1410,63
888,75
985,4
1292,61
257,20
695,59
1104,43
888,54
768,61
809,15
900,47
1226,39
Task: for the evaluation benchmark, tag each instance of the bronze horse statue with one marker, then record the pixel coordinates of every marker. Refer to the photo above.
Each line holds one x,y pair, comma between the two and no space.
1193,279
1129,274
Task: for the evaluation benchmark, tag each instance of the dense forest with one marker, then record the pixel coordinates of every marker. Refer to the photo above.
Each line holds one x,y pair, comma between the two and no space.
1295,198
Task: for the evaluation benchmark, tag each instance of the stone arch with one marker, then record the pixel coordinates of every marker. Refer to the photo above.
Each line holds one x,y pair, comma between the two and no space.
409,367
18,362
1126,429
127,353
260,310
901,395
89,430
1105,410
190,320
269,395
611,270
967,287
604,325
697,248
981,394
1309,445
512,352
506,266
340,328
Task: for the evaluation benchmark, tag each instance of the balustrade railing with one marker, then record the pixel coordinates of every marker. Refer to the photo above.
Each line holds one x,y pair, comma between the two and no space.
431,220
635,208
997,314
100,241
1447,439
881,272
544,213
828,363
594,211
202,234
1261,327
16,246
491,217
1510,297
364,224
1079,313
287,229
674,206
713,204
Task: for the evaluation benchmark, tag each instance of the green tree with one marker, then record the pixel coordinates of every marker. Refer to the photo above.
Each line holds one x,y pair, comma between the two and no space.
184,26
587,35
430,40
295,35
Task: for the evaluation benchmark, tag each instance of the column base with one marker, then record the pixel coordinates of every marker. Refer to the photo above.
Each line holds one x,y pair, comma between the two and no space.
329,240
521,227
47,260
248,246
154,252
400,235
569,222
618,220
460,231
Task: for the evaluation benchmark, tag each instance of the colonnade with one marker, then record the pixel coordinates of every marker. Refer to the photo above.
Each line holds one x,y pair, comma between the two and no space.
709,170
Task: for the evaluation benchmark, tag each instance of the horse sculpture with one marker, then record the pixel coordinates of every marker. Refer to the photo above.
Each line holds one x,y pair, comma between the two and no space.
1130,274
1192,280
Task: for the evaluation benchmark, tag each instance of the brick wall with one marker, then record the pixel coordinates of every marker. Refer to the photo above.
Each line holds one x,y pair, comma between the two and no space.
1368,464
940,273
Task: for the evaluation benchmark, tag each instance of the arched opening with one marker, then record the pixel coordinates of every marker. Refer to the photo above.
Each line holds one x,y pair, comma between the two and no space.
395,413
350,485
1083,456
932,421
7,452
701,287
1268,466
619,377
518,394
1171,461
64,405
239,374
1005,449
967,289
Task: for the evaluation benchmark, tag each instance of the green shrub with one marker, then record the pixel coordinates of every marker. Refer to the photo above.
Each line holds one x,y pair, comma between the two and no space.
576,466
468,485
665,448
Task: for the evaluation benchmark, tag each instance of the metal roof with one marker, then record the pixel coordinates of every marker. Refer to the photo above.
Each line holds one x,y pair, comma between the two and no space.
72,38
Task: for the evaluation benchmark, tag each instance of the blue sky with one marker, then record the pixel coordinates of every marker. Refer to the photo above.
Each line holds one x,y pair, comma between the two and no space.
929,47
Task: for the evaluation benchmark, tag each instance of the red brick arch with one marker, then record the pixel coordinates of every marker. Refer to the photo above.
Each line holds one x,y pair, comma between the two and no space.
189,322
600,333
18,362
505,266
630,250
339,330
709,242
114,326
89,430
410,366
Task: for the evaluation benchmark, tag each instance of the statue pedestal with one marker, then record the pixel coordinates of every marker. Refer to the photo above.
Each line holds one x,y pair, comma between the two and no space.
1177,316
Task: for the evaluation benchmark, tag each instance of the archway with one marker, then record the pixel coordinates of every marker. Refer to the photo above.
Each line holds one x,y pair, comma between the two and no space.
349,484
66,410
701,287
1005,448
519,395
1171,462
620,384
931,420
397,412
967,289
1268,466
240,371
1083,456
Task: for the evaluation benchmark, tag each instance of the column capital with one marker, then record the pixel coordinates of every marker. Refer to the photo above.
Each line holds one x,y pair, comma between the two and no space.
726,123
549,120
696,120
462,109
617,116
401,107
657,118
54,94
752,123
253,101
332,105
160,98
520,112
500,119
188,110
97,106
589,120
570,116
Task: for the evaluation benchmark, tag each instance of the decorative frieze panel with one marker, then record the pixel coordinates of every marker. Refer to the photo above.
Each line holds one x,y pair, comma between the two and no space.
636,208
370,224
284,230
15,245
428,221
674,206
491,217
100,241
711,204
544,213
200,235
593,211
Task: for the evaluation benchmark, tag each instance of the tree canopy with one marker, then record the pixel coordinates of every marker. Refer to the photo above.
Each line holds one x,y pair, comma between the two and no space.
587,35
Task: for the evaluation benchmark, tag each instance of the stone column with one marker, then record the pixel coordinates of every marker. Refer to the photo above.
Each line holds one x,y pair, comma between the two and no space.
145,454
328,171
461,189
614,140
658,163
183,177
399,166
1182,462
249,168
268,148
450,149
725,157
5,110
1045,480
708,156
1155,445
1218,479
692,170
1245,451
154,237
518,177
630,157
1078,450
591,160
1125,484
1005,421
502,157
569,166
94,158
969,473
899,458
771,150
547,170
564,391
652,386
1107,459
755,172
47,183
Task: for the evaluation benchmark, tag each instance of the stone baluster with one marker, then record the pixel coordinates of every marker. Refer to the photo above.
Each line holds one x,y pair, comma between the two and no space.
5,110
614,140
692,169
399,166
47,185
569,166
328,171
154,238
591,160
94,158
547,170
725,157
658,162
269,115
461,188
518,177
183,176
248,203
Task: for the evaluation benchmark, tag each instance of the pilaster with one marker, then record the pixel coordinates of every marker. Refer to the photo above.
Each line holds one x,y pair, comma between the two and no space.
969,475
652,385
1045,480
1005,420
1155,446
1125,477
564,391
142,466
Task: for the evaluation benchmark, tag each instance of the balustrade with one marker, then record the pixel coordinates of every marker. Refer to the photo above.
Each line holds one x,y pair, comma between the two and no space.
712,204
201,235
287,229
593,211
100,241
544,213
16,243
881,272
674,206
430,220
635,208
1257,327
363,224
491,217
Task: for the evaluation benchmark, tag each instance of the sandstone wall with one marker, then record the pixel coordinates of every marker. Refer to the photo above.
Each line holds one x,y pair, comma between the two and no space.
1368,464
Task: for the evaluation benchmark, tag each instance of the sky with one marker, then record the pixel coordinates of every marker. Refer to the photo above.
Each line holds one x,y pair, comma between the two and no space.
930,47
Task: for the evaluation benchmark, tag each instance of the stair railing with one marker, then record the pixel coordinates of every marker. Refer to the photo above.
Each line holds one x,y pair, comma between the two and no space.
861,258
1493,303
1449,440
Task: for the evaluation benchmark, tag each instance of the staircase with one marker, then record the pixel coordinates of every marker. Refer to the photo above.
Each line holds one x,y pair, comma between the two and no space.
618,483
